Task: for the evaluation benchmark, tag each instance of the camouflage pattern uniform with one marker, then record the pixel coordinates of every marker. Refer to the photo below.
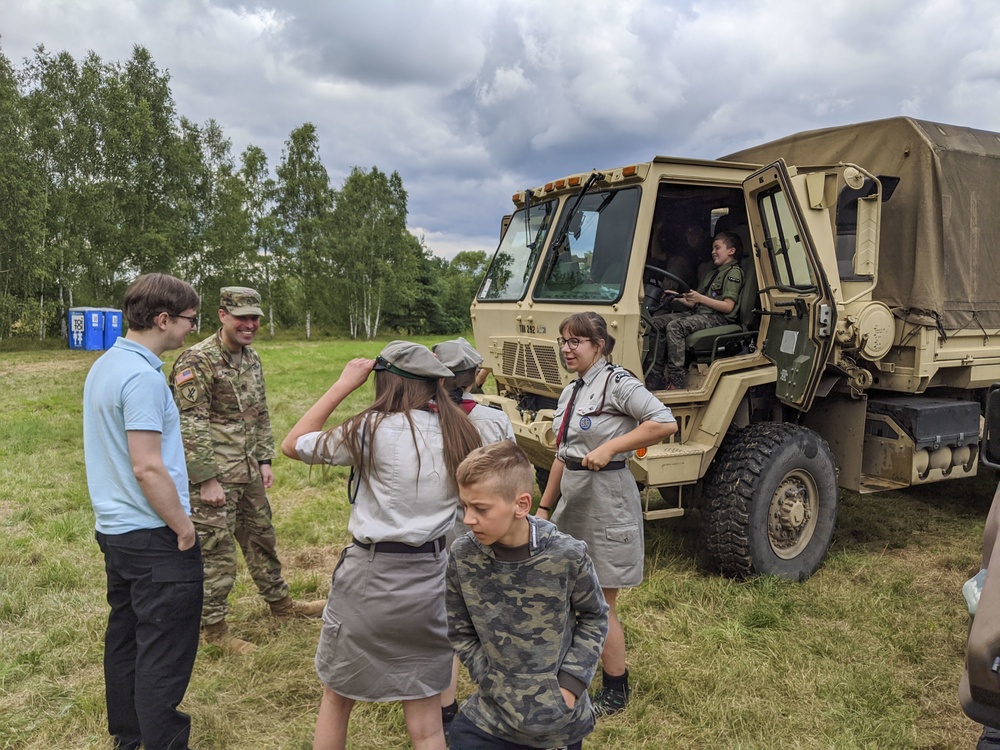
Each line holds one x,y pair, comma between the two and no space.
671,329
227,432
523,629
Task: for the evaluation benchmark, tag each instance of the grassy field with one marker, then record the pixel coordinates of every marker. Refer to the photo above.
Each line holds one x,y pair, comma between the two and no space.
865,654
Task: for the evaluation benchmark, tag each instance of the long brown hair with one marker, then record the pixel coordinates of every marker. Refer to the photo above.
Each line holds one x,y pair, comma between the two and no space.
398,395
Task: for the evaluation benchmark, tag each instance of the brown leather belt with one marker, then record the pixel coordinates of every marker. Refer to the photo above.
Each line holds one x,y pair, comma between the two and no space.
574,465
399,548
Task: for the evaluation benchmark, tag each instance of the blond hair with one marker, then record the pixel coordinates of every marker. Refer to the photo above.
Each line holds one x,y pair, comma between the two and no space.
502,468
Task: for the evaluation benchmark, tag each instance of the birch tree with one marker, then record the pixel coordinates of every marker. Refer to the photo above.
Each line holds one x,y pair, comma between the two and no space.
258,195
370,245
302,203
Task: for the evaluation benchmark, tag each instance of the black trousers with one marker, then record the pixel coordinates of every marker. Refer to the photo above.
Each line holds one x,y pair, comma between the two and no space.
155,593
989,740
464,735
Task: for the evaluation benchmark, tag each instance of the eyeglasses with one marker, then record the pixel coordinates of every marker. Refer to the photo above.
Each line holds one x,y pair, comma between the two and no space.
192,319
571,343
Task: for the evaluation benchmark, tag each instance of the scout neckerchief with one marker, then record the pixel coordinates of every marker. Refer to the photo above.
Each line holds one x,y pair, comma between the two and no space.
568,415
465,405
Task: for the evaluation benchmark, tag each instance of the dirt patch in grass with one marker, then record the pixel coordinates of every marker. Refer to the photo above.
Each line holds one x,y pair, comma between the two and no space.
313,558
15,365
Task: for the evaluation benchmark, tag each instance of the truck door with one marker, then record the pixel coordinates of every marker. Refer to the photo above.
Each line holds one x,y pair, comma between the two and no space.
795,296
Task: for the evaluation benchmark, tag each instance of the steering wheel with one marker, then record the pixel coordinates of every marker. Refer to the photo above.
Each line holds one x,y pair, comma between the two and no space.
683,286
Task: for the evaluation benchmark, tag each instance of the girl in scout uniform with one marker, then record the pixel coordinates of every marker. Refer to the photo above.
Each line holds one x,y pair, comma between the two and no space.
385,635
602,417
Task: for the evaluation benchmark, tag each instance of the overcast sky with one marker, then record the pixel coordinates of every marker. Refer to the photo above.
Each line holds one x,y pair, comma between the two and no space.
471,100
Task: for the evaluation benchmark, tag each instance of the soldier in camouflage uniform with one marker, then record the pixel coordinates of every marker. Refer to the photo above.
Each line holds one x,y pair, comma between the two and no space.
525,613
218,385
714,304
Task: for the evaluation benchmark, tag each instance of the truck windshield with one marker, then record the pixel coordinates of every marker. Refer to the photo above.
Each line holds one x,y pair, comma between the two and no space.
590,263
508,275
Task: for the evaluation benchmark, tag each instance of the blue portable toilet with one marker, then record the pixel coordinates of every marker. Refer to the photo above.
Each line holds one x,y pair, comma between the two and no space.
86,328
112,326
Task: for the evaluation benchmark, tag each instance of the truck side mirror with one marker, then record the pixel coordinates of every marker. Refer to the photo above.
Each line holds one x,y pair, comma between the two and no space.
991,430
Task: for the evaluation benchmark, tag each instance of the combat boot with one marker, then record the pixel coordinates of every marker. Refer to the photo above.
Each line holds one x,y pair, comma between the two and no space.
217,634
288,607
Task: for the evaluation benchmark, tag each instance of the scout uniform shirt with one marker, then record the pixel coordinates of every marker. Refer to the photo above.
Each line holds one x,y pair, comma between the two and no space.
725,283
407,496
224,416
610,403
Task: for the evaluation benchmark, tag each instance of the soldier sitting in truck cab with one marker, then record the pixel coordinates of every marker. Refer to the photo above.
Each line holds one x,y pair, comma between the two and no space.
713,304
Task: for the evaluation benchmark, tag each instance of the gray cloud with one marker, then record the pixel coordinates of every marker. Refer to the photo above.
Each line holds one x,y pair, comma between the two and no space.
472,101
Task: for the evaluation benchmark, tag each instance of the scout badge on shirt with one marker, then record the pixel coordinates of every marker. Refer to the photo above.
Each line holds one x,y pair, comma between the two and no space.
585,423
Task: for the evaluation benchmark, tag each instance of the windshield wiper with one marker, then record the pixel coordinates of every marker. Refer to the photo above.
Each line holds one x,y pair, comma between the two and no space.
564,229
530,244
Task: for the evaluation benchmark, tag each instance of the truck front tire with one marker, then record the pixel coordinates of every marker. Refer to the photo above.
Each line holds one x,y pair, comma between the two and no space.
770,502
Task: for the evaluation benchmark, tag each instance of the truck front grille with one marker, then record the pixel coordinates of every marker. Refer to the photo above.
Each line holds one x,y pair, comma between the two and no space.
538,363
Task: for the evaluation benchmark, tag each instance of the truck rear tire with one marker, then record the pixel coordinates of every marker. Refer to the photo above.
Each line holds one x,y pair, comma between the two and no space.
770,502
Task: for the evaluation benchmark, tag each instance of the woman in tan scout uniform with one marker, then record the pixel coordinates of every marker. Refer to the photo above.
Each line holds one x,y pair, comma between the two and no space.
385,635
218,385
602,417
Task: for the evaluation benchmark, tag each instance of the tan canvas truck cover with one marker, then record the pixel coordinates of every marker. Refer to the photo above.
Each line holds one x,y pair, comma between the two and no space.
939,249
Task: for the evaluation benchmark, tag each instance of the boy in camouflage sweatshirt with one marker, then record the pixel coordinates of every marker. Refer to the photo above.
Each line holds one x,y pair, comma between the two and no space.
525,613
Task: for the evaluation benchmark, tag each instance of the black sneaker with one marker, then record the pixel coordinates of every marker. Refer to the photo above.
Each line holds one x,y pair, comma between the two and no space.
610,701
655,381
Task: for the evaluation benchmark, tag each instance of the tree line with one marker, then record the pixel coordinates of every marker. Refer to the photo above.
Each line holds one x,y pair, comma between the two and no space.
102,180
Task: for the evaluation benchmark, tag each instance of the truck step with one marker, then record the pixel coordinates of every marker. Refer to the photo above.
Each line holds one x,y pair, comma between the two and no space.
870,484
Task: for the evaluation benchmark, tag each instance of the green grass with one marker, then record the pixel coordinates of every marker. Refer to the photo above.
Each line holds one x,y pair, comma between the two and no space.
865,654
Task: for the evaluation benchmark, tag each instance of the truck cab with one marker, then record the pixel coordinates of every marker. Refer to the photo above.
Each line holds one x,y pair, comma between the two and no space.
812,388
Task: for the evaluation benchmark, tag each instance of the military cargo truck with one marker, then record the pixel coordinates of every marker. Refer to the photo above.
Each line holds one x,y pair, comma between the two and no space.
869,322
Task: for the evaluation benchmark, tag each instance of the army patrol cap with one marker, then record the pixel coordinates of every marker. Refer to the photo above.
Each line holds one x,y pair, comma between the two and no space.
240,300
458,355
410,360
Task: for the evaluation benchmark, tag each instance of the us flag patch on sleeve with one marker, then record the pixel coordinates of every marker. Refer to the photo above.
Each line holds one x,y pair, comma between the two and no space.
184,376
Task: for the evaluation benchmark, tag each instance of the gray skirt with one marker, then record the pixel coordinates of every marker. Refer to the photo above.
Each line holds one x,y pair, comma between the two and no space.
603,509
385,631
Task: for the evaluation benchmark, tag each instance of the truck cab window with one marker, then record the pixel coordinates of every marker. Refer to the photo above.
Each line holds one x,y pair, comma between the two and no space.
785,249
847,228
514,263
589,255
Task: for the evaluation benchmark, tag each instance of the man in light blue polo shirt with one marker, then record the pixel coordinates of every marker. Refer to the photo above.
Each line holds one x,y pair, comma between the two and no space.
138,485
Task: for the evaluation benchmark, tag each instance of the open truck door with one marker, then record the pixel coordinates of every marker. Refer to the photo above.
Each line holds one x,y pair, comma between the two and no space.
795,295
